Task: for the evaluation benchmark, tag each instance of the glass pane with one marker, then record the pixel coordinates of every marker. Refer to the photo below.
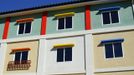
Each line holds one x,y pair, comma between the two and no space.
68,22
21,28
106,18
28,27
108,50
114,17
61,23
60,55
68,54
118,50
17,57
24,57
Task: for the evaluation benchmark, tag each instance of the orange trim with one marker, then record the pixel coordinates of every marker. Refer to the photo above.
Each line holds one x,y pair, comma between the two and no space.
88,18
24,20
6,28
21,49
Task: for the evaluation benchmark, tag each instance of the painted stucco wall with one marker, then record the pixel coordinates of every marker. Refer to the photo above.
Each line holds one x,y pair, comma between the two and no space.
128,53
78,20
125,15
32,55
2,24
68,67
117,73
35,29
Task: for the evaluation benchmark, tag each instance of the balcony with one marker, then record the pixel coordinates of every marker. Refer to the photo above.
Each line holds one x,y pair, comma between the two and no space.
17,65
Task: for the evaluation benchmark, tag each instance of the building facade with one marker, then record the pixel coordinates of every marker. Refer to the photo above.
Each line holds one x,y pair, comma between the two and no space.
67,37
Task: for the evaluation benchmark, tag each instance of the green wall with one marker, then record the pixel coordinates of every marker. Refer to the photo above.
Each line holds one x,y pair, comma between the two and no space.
36,26
125,14
78,20
2,24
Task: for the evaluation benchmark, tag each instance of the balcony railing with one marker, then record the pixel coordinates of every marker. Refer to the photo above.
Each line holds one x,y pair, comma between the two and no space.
18,65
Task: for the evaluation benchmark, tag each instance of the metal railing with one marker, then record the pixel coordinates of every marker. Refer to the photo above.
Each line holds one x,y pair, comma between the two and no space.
18,65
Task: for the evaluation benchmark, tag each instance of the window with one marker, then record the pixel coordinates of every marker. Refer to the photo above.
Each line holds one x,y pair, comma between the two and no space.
21,57
64,54
65,23
24,27
113,48
110,17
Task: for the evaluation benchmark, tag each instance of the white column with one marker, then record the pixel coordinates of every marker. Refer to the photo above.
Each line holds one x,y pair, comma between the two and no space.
89,54
3,48
41,69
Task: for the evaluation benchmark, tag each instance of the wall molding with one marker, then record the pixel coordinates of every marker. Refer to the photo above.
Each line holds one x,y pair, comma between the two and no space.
117,69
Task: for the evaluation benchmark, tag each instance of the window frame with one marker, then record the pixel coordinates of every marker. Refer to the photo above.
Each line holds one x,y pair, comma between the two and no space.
110,18
24,28
123,52
65,23
64,55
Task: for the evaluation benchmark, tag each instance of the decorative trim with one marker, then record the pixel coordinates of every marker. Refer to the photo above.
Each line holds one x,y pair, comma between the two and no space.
6,28
20,49
117,69
44,23
65,14
24,20
63,45
87,18
109,9
112,40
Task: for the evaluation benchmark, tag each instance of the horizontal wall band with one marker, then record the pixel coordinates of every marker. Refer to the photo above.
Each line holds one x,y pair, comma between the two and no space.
63,45
65,14
24,20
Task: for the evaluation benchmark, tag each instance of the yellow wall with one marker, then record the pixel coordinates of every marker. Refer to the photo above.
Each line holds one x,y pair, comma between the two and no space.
33,45
117,73
128,49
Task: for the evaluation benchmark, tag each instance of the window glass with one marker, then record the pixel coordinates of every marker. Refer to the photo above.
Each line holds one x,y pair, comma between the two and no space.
28,27
114,17
17,57
118,50
61,23
68,22
60,55
109,50
21,28
106,18
68,54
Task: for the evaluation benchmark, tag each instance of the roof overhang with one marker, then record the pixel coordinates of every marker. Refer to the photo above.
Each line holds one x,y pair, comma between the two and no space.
52,8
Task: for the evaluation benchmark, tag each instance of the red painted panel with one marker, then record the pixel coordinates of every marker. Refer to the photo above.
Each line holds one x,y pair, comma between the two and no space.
44,23
6,28
87,18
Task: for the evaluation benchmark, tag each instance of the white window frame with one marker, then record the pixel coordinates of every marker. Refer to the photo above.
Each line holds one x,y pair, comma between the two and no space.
110,18
113,52
65,23
24,28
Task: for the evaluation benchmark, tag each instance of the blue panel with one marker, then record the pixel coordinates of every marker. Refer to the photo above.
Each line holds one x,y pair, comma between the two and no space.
111,40
110,8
